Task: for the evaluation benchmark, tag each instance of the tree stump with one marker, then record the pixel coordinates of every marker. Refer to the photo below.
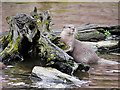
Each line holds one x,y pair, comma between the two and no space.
32,36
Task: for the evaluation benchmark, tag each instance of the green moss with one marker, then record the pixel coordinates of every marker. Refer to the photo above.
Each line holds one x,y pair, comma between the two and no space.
44,53
101,29
16,80
52,55
107,33
117,5
97,32
42,49
49,59
64,47
3,51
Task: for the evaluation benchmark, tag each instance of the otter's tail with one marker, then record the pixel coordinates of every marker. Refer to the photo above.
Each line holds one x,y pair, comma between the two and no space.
104,61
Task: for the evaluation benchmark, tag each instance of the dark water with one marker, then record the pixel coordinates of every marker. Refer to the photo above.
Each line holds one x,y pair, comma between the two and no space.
64,13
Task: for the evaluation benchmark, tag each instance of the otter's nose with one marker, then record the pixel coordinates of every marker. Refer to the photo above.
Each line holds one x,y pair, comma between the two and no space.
73,29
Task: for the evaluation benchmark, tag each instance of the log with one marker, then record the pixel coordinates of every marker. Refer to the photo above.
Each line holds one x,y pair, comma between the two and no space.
94,32
89,26
31,37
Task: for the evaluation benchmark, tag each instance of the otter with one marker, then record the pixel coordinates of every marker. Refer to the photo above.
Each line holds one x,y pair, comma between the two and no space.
81,52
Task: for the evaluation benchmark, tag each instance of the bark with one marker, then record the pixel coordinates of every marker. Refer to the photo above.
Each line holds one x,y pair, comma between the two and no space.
94,32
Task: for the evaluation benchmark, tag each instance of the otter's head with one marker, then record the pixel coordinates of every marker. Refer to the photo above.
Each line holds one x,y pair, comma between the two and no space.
70,29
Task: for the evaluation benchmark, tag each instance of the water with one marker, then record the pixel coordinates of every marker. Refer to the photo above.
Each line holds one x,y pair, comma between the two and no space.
103,76
64,13
18,76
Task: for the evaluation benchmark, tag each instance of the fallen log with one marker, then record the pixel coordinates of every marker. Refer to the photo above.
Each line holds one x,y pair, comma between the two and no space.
94,32
91,27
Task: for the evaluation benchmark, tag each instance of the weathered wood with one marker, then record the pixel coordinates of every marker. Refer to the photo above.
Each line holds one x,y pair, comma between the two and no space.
32,36
94,32
114,29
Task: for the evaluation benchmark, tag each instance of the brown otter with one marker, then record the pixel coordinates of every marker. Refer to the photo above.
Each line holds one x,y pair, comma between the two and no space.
81,52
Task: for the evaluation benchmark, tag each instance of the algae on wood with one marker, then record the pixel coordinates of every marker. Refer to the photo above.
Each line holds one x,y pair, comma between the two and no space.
32,36
94,32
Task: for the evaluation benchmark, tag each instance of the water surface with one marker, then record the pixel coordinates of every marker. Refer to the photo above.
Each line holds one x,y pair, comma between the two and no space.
64,13
105,76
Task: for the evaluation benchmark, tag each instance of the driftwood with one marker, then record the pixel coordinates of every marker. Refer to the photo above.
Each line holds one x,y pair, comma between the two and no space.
31,37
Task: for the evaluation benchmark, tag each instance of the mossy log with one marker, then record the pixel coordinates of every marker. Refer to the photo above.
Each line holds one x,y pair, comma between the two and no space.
113,29
32,36
94,32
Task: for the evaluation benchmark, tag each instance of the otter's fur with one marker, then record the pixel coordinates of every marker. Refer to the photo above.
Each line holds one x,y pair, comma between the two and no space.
81,52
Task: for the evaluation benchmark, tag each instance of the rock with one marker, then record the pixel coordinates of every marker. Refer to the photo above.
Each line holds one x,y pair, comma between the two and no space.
109,43
50,75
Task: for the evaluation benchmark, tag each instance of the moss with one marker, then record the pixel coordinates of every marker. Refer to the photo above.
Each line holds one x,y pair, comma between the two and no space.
101,29
117,5
97,32
52,55
3,51
16,80
49,59
38,22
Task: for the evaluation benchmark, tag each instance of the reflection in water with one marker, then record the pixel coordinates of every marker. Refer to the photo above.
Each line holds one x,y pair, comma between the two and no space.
100,76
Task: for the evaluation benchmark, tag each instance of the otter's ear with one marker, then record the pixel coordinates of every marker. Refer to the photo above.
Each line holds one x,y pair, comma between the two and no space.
8,20
35,9
63,28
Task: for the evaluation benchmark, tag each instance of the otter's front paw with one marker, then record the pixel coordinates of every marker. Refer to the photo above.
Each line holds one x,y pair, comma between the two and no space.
66,51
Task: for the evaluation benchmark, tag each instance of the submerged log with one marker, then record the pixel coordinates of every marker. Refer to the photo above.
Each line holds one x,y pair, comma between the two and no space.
32,36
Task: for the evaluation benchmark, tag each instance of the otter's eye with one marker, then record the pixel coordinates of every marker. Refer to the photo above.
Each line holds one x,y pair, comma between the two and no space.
63,26
69,27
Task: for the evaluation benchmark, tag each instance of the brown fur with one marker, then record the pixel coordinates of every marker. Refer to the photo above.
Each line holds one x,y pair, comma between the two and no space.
81,52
